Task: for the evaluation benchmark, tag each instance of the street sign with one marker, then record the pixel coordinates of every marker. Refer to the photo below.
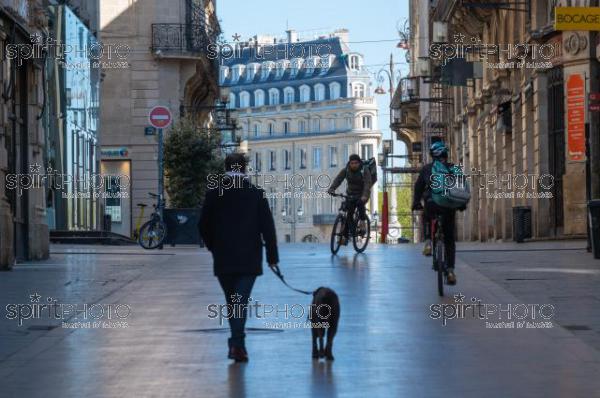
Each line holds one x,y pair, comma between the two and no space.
594,96
595,108
160,117
149,130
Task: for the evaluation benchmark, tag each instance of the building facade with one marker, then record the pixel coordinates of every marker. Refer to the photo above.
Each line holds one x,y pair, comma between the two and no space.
510,94
23,227
303,107
161,57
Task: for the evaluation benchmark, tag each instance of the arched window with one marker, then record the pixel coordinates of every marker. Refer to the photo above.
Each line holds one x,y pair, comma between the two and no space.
259,98
288,95
304,93
366,122
256,129
302,126
236,72
251,72
316,125
335,90
273,96
271,128
319,92
244,99
231,103
358,90
354,62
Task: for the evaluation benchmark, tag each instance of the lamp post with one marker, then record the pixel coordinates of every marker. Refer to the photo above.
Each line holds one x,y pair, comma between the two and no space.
386,219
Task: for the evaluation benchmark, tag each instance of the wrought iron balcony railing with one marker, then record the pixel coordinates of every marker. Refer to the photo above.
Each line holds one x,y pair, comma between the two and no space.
176,38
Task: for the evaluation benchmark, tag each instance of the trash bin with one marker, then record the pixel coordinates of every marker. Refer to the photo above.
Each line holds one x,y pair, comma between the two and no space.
182,226
594,225
521,223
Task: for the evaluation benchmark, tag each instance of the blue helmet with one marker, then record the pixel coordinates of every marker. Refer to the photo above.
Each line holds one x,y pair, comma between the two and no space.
438,149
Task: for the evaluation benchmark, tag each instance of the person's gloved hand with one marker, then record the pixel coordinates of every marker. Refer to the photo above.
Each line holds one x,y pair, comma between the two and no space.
417,206
364,199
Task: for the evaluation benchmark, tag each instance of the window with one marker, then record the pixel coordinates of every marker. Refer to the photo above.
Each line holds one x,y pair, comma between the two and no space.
287,159
346,153
224,74
236,73
231,103
334,90
319,92
302,126
295,67
256,129
316,125
244,99
259,98
280,69
302,158
271,128
304,93
273,96
366,122
258,161
286,127
251,72
316,158
332,124
358,90
355,62
272,160
366,151
349,123
333,156
288,95
265,70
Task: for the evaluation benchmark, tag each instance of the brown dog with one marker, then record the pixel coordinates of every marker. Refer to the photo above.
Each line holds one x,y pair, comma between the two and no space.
324,316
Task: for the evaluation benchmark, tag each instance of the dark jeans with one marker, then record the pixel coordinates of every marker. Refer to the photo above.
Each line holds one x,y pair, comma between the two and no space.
351,206
448,226
237,289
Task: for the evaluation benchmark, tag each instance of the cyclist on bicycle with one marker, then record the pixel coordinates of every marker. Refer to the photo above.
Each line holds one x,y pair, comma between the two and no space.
422,190
358,186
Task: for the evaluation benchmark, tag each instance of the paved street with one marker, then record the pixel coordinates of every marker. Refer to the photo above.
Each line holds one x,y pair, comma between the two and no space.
387,343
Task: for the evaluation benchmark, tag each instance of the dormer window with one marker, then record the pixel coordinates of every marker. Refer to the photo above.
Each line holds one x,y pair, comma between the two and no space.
310,66
224,74
251,72
236,73
325,63
355,62
281,67
295,66
266,70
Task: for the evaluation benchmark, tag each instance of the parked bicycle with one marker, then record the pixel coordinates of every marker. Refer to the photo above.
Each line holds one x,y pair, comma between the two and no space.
153,232
360,230
138,222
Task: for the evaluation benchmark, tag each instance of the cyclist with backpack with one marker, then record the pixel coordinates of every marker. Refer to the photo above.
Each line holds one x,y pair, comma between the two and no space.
431,186
359,180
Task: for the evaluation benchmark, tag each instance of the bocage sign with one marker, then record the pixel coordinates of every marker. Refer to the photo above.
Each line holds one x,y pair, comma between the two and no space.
577,18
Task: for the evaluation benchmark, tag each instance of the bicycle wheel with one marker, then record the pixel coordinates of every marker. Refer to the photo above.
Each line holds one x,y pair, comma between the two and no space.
440,263
362,233
152,234
336,234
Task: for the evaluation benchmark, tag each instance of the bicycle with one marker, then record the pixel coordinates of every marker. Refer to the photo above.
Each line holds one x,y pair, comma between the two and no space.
153,232
439,252
361,231
138,223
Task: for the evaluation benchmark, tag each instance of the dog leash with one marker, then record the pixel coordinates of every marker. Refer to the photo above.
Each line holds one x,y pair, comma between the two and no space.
277,272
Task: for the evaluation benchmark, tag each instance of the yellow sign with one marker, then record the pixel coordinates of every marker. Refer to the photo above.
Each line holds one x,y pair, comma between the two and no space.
577,18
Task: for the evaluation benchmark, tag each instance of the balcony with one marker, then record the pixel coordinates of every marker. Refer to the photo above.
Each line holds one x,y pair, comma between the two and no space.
175,40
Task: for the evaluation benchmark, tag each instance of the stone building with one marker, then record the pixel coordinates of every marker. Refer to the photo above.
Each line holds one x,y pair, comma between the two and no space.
167,63
23,228
510,94
303,107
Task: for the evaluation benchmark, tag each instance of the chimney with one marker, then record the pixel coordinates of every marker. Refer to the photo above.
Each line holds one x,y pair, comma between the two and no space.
292,36
343,34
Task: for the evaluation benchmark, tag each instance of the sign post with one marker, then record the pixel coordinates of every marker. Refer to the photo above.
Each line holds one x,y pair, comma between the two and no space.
160,117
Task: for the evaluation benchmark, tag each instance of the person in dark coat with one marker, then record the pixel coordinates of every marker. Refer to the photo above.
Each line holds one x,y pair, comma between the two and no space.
236,222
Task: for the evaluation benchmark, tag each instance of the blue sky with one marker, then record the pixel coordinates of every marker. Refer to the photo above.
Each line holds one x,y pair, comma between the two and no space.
375,20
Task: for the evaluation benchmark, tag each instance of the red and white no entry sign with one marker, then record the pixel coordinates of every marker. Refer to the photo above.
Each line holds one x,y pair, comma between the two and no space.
160,117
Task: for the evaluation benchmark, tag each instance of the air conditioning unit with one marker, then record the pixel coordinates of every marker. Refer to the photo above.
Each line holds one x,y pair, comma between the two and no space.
440,32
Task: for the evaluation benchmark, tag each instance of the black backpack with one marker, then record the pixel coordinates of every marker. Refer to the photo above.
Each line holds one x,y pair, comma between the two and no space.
370,166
